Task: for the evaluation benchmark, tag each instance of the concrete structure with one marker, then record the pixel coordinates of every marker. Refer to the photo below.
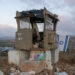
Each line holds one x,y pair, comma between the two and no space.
16,56
28,34
54,56
39,46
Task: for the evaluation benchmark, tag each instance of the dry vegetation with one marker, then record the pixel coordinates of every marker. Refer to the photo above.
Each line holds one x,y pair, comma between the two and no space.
4,64
67,62
68,57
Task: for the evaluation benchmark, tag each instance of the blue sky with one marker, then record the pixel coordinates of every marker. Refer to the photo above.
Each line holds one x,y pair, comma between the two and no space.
65,9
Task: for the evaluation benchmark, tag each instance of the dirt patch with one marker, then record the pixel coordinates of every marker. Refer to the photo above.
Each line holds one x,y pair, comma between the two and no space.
67,62
4,66
68,57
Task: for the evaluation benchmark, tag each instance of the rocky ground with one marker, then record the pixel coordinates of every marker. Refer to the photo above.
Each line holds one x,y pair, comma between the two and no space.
65,67
66,63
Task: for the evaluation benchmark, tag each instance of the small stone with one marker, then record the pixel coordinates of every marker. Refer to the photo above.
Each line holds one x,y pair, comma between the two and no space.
24,73
32,72
12,73
12,69
63,73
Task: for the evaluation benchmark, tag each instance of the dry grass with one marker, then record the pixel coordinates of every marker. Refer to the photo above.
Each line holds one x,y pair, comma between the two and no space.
4,66
68,57
67,62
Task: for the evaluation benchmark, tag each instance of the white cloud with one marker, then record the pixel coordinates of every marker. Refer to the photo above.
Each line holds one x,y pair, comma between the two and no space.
65,9
70,2
6,30
66,25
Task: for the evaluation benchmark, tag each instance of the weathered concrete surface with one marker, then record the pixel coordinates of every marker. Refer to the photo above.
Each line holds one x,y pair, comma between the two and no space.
16,56
1,73
36,66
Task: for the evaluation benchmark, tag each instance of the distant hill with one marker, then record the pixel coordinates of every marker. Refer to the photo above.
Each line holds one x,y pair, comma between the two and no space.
7,38
7,41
